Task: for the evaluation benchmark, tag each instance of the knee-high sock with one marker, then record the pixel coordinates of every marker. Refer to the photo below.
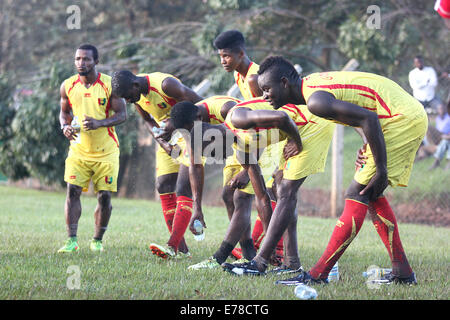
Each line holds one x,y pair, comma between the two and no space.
181,221
385,223
346,229
169,205
258,231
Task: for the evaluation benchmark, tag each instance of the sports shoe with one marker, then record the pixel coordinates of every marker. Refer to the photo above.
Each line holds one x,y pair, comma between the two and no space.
71,245
390,278
242,260
302,278
237,253
246,268
284,269
161,251
96,245
183,255
210,263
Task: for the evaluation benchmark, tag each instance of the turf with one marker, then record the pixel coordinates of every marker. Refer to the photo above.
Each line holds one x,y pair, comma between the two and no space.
32,228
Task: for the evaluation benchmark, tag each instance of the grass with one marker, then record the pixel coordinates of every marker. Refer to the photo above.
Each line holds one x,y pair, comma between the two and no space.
32,228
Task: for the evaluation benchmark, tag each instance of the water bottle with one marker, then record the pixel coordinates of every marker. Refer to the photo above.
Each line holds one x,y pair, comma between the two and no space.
198,226
376,273
75,125
334,273
157,131
304,292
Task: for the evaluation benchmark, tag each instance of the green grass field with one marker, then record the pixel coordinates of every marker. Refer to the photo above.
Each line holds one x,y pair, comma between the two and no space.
32,228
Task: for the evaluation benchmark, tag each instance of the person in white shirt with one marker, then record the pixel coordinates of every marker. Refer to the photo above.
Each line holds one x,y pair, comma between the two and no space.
423,80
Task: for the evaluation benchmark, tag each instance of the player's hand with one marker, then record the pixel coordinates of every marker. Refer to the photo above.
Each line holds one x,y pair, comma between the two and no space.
291,149
376,185
240,180
90,123
69,132
167,130
196,215
360,157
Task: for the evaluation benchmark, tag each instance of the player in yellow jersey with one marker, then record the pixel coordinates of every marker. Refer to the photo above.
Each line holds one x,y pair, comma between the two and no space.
234,58
393,123
213,110
153,95
254,122
89,112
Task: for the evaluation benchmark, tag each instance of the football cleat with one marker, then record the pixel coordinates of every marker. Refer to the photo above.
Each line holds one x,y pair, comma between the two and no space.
71,245
96,245
246,268
302,278
390,278
161,251
210,263
284,269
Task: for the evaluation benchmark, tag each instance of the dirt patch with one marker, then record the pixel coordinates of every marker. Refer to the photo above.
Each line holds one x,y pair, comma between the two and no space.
315,203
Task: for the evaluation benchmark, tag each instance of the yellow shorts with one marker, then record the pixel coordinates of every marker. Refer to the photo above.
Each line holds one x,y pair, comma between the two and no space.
402,142
103,174
312,158
233,167
165,164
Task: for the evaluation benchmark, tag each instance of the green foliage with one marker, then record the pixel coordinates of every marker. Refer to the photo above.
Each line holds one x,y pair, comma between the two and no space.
38,142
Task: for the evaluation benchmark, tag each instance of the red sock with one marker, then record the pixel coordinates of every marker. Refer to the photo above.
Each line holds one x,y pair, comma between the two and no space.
169,205
346,229
181,221
258,231
385,223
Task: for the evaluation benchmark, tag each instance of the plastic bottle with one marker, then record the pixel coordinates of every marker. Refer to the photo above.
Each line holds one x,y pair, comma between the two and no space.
75,124
302,291
334,273
198,226
376,273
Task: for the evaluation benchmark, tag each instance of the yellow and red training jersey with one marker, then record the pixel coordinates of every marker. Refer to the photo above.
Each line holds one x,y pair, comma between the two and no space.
242,82
213,105
156,102
378,94
95,145
307,123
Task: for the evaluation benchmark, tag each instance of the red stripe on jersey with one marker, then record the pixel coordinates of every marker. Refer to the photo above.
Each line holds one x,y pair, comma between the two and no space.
167,99
367,96
249,102
297,111
73,84
362,88
110,129
211,116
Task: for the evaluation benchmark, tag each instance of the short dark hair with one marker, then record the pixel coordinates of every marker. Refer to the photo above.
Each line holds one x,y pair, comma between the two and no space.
90,47
183,113
279,67
231,39
121,82
419,57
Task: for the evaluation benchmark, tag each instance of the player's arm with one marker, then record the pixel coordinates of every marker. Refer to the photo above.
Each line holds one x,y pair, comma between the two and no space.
244,118
151,123
227,107
262,199
178,91
325,105
254,87
65,114
196,178
119,107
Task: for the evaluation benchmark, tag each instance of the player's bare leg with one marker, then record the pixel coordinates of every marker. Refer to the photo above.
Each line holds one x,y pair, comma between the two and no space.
72,212
283,219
